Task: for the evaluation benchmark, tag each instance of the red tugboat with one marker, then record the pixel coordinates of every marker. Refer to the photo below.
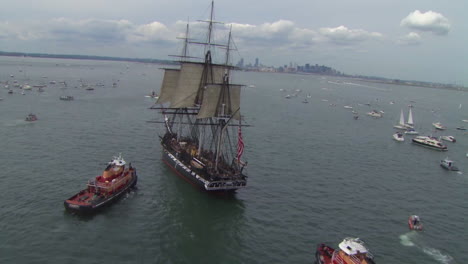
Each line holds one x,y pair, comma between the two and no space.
104,189
351,251
414,223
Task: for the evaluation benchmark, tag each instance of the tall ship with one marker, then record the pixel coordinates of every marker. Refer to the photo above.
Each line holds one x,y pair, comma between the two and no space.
200,106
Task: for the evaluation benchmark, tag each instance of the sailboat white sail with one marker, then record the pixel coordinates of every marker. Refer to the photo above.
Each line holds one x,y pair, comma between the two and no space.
401,124
410,122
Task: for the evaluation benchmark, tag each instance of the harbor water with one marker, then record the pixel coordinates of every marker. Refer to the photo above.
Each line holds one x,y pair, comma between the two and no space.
316,175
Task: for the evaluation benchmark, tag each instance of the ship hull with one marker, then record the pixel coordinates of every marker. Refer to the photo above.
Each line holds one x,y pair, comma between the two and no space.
429,146
71,204
192,176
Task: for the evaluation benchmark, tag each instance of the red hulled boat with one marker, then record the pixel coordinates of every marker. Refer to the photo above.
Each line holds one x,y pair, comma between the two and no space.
351,251
414,223
104,189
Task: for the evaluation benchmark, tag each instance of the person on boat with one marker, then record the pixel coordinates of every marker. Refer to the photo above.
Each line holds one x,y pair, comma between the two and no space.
416,220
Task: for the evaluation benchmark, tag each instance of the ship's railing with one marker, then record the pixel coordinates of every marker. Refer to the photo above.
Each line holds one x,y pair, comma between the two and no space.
336,258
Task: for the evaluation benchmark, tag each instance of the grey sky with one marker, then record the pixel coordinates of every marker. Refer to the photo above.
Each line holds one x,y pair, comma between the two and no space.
412,40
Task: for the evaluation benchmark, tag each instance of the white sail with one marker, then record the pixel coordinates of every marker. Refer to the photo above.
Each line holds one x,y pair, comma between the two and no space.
214,105
402,118
168,86
410,118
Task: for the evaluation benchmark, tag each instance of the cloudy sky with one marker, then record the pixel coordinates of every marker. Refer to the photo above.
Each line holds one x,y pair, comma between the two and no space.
410,40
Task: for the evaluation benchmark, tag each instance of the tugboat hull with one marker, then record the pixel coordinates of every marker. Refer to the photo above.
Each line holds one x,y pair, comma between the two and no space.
73,205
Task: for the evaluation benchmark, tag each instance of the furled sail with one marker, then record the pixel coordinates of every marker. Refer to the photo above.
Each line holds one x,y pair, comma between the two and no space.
168,86
216,104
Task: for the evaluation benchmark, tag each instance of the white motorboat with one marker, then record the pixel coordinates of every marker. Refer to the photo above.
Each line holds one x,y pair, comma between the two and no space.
449,138
375,114
348,107
439,126
411,131
429,142
448,165
398,136
401,123
67,98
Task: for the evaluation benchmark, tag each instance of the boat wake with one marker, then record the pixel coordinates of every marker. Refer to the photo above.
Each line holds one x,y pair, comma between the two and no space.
405,239
437,255
410,240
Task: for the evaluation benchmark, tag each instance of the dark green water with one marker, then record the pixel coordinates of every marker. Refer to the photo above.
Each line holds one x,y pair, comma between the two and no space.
315,174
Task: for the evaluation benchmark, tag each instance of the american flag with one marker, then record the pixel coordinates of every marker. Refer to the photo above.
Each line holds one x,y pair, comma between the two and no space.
240,145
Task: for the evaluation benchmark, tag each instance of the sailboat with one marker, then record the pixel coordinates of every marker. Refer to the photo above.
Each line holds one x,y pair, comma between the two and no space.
401,123
410,123
202,140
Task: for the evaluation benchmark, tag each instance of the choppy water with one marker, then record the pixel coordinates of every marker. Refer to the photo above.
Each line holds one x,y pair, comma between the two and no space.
315,174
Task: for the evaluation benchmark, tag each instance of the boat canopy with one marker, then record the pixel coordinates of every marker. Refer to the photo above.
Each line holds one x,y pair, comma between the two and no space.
352,246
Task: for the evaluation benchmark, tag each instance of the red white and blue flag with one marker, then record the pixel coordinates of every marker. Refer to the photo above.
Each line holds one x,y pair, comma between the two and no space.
240,145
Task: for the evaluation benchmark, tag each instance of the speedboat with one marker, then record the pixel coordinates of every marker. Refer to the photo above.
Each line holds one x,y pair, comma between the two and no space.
398,136
449,138
31,118
411,131
439,126
351,250
414,223
429,142
375,114
348,107
461,128
448,165
152,95
67,98
104,189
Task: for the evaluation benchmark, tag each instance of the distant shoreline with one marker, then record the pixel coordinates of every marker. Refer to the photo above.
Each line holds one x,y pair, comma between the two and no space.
169,62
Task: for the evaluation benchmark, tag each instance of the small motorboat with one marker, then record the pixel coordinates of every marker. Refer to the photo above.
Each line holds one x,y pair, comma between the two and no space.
104,189
31,118
305,101
152,95
398,136
439,126
449,138
351,250
67,98
414,223
411,131
375,113
448,165
461,128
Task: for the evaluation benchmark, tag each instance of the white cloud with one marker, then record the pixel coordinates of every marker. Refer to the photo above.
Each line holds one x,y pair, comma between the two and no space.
343,36
411,38
429,21
154,31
